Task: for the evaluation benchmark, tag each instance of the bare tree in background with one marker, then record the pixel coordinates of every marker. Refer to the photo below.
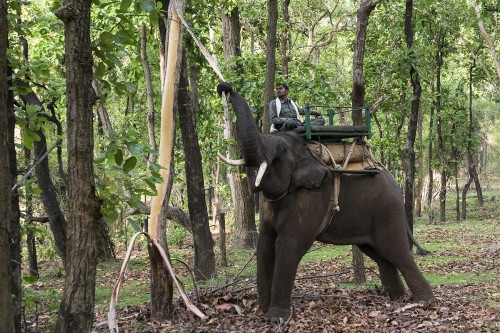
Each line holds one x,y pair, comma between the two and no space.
358,100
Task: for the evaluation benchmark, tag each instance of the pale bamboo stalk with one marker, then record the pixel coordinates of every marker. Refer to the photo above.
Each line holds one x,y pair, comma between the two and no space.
167,123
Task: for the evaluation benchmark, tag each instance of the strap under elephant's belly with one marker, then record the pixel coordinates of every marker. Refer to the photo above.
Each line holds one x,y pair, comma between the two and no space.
333,205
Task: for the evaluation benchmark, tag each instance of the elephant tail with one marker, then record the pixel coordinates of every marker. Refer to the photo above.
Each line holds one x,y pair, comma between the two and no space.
420,250
224,87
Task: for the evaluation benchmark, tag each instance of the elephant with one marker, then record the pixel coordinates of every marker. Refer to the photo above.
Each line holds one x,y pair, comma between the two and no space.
296,186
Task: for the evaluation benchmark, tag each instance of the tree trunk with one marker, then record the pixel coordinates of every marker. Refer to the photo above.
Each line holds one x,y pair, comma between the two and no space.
204,257
7,313
284,39
15,213
161,287
244,235
163,27
105,127
430,167
358,85
464,198
149,92
161,282
76,311
439,131
455,156
222,239
471,165
358,100
49,197
358,263
487,38
30,235
420,177
32,256
413,120
269,86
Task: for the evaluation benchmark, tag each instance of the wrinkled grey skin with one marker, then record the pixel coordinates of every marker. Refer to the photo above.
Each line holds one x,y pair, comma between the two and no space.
371,215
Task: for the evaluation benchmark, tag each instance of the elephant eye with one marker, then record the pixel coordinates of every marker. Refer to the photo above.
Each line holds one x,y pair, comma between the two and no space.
282,149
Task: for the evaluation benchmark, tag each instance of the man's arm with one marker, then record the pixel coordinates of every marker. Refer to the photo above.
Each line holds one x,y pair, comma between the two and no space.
312,112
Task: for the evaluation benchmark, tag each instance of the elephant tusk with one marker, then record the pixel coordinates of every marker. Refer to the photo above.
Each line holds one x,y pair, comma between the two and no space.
230,161
260,174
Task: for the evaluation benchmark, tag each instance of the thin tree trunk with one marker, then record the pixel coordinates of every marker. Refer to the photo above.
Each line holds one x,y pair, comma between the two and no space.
471,165
32,255
284,39
222,239
149,93
163,27
269,86
7,313
76,311
487,38
44,179
413,120
161,282
464,198
49,197
30,235
420,177
358,100
439,131
430,168
358,85
244,235
358,263
455,157
105,125
204,257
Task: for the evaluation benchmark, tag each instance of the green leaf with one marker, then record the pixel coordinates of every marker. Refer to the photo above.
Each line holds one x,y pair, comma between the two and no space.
101,69
135,149
100,158
119,157
106,37
27,139
129,164
125,5
148,5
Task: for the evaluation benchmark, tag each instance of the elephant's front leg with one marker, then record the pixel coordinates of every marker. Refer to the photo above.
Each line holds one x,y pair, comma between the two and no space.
289,251
265,267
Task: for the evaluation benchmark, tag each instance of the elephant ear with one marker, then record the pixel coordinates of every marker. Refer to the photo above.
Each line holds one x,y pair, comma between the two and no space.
308,174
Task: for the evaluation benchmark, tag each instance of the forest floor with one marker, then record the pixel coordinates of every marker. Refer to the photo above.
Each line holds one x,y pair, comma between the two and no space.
463,268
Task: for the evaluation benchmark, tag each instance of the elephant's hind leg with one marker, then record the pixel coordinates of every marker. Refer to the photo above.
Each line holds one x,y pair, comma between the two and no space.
389,275
404,262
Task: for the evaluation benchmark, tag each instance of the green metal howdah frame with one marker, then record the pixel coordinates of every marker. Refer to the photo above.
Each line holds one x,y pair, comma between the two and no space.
335,132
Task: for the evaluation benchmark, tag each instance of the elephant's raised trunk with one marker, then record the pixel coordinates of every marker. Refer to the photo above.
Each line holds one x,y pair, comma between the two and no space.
249,134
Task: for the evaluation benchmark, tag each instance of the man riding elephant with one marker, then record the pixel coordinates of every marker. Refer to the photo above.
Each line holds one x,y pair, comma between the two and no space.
284,113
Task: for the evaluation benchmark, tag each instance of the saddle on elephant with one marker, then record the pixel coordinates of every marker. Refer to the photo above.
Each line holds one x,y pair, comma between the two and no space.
355,156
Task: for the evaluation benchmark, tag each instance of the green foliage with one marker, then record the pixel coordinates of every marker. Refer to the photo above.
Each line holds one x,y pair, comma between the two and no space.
175,234
116,183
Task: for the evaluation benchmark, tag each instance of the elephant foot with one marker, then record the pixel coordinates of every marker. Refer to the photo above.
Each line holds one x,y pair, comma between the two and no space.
278,314
395,293
264,306
424,297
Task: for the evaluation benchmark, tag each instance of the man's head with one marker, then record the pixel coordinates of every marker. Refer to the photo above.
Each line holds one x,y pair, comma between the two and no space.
281,90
